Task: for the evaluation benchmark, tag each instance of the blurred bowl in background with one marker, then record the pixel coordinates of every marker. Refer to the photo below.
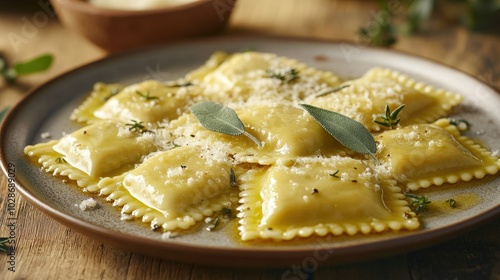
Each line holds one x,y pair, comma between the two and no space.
117,30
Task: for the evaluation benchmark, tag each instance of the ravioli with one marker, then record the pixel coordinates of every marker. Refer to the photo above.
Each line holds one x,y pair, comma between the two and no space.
101,149
184,184
309,198
146,152
54,163
100,93
432,154
148,102
286,132
365,98
263,77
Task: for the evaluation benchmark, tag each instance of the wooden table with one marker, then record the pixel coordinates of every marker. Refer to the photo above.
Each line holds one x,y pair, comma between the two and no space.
48,250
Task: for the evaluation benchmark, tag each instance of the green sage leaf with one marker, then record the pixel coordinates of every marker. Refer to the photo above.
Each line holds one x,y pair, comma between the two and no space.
220,118
38,64
348,132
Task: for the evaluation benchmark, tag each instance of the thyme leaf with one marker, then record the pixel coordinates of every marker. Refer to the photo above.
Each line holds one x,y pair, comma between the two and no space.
390,119
137,127
334,174
180,84
451,202
146,96
220,118
286,77
232,179
3,244
219,220
418,203
350,133
332,90
61,160
379,32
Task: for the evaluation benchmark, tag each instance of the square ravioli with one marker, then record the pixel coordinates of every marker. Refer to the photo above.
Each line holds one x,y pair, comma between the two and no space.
144,150
422,155
104,148
260,77
365,98
148,101
320,196
100,93
175,188
286,132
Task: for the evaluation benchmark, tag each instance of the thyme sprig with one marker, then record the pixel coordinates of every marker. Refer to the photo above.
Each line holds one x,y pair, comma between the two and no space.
3,244
418,203
146,95
286,77
332,90
137,126
390,119
392,20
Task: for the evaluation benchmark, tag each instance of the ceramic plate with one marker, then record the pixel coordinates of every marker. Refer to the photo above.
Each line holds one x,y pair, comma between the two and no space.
47,108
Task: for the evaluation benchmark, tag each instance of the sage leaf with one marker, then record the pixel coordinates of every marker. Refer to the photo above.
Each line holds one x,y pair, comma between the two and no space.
350,133
220,118
38,64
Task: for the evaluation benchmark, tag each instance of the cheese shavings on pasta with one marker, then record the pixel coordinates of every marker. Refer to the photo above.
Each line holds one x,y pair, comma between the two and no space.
141,148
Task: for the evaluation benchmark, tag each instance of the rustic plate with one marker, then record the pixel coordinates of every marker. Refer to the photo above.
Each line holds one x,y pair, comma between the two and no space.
46,109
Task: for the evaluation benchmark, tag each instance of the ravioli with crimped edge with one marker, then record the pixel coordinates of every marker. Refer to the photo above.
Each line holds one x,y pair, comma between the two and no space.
142,148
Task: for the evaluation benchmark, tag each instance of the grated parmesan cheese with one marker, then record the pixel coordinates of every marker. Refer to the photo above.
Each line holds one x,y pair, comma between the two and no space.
45,135
87,204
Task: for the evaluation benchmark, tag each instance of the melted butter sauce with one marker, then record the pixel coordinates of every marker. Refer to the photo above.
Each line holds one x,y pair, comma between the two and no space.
461,192
463,201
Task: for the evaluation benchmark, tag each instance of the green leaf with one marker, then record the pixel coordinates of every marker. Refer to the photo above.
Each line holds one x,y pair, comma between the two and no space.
390,120
3,113
347,131
38,64
219,118
418,203
286,77
3,244
418,12
3,64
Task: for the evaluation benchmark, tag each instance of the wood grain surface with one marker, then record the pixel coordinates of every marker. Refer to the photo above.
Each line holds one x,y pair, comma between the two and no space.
47,250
